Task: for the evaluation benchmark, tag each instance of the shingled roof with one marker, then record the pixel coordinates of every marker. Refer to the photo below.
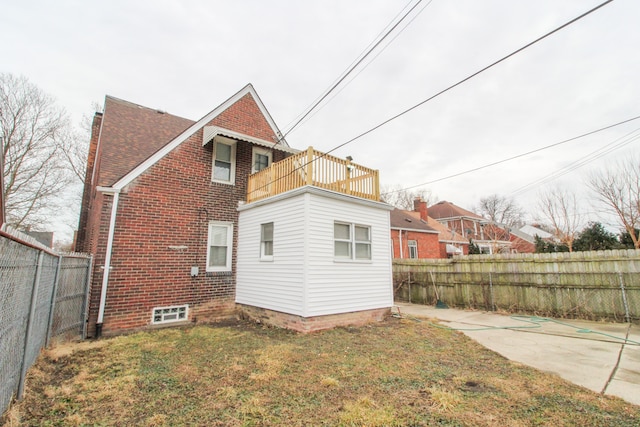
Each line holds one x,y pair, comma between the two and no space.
406,221
446,209
130,134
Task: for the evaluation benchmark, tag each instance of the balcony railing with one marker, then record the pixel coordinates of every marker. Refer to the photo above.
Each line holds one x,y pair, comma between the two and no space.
314,168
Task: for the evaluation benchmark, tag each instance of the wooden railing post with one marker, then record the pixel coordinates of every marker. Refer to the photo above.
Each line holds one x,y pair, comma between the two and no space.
309,165
347,175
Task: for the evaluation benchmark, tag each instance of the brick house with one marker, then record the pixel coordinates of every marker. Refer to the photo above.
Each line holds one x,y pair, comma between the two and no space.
414,234
160,211
489,236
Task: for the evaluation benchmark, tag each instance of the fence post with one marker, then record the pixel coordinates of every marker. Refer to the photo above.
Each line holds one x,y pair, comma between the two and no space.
491,292
32,309
624,299
52,305
86,297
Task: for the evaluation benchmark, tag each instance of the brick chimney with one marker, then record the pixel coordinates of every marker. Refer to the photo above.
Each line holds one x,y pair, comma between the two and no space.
420,205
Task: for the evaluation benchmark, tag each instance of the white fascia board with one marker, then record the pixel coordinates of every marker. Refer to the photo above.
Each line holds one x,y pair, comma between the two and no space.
415,231
310,189
142,167
210,132
108,190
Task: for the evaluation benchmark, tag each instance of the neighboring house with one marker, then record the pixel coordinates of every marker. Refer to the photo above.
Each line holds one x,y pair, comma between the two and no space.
416,235
160,214
489,237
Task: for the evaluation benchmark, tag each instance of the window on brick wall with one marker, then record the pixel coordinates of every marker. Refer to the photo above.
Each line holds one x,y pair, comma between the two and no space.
170,314
266,241
261,159
413,249
219,246
224,160
351,241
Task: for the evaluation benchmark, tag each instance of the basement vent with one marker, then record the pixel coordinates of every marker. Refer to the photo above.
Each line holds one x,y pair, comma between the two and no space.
170,314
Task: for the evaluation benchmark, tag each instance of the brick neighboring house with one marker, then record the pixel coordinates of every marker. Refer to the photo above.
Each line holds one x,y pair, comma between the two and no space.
416,235
160,214
490,237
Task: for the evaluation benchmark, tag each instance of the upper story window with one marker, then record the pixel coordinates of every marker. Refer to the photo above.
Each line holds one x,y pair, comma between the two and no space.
262,158
266,241
224,160
413,249
219,246
351,241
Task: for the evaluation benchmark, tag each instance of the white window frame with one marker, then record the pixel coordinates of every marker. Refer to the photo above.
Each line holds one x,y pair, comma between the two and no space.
263,255
262,151
413,249
353,242
229,227
232,173
176,313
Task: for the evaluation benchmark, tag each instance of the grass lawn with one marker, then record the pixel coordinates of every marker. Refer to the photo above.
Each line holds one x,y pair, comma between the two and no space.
395,373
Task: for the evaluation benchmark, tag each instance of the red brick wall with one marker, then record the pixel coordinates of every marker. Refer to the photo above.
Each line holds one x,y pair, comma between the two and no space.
428,244
171,204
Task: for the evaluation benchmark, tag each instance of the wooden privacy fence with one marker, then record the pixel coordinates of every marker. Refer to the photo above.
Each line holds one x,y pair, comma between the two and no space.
588,285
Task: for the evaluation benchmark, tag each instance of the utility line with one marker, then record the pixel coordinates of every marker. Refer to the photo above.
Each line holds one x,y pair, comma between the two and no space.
445,90
471,76
518,155
358,62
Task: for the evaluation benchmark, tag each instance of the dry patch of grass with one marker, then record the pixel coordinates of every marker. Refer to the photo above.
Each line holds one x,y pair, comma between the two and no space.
396,373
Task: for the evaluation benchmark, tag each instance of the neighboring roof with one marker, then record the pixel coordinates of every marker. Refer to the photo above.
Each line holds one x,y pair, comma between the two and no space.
446,234
133,138
405,221
129,134
535,231
446,209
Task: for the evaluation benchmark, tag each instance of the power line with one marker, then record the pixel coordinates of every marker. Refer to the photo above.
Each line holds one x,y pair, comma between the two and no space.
445,90
358,62
471,76
518,155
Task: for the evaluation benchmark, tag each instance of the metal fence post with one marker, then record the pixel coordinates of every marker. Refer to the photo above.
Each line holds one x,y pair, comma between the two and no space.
85,308
52,305
32,309
624,299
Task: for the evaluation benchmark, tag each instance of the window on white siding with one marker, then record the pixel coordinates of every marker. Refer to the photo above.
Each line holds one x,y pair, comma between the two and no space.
219,246
224,160
261,159
351,241
413,249
170,314
266,241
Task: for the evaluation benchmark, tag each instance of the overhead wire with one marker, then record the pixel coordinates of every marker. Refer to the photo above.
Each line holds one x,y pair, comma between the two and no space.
546,147
460,82
353,67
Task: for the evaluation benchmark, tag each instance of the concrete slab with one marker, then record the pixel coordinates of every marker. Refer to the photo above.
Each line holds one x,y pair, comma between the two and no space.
604,357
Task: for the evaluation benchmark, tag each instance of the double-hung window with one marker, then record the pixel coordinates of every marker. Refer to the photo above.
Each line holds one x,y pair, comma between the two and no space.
351,241
413,249
219,245
224,160
261,159
266,241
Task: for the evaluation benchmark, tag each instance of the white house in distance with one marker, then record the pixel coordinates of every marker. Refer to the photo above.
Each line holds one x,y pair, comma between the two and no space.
313,245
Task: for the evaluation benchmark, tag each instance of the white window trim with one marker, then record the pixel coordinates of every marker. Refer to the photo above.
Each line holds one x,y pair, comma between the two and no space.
264,257
232,173
260,150
229,226
411,244
352,240
176,309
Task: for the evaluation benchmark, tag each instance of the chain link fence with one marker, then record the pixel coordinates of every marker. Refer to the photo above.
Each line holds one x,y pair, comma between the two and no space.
43,295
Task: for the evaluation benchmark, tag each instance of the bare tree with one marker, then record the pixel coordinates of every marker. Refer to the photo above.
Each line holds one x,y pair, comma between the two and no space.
500,210
560,208
618,189
34,132
402,198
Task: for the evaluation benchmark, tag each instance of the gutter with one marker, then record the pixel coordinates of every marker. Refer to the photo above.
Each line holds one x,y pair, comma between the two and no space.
107,261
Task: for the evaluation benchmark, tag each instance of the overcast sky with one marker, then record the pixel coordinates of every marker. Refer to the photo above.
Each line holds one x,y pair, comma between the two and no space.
186,57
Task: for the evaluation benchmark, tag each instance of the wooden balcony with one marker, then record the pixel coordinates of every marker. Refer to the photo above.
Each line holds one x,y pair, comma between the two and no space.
314,168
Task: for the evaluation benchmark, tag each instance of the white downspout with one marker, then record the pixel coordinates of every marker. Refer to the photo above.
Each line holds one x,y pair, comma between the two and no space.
400,234
107,260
